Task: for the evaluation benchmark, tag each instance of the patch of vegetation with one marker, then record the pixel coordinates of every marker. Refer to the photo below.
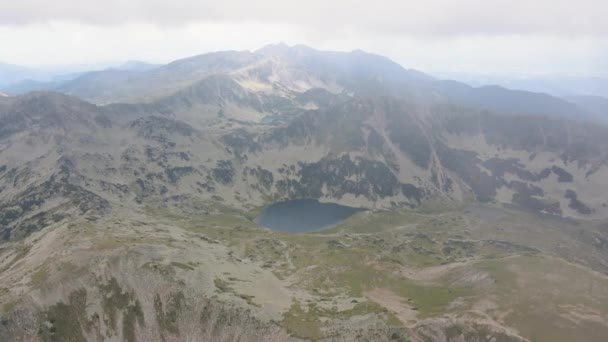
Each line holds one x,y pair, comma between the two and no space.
374,222
226,287
504,278
576,204
563,176
8,307
526,201
343,175
405,131
308,321
113,242
161,128
66,321
71,268
222,285
264,178
248,299
466,165
182,266
167,271
241,141
40,276
115,301
21,251
302,323
175,173
223,172
499,167
167,317
35,196
476,332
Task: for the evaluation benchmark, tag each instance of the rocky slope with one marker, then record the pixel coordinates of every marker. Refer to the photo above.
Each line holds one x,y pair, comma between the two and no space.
219,135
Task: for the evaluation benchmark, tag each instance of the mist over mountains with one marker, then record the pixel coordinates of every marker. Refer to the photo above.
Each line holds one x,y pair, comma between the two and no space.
17,79
551,84
375,134
128,198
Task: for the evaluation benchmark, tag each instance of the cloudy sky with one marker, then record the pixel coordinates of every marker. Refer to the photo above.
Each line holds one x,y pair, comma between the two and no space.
481,36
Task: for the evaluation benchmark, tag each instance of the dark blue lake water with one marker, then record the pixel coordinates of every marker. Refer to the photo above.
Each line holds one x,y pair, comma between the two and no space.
303,215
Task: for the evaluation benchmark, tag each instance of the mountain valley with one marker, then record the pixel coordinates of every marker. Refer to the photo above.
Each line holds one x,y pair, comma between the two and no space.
128,205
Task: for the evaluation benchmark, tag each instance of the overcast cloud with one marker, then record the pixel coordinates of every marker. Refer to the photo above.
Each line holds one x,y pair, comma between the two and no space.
533,36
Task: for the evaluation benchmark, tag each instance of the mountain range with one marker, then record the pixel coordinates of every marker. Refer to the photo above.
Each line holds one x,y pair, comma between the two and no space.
138,149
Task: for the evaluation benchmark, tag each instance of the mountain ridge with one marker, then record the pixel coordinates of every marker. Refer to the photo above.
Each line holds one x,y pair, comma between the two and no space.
337,67
135,220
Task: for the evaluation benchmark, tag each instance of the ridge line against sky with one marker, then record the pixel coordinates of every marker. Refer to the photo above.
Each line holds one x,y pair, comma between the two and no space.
525,37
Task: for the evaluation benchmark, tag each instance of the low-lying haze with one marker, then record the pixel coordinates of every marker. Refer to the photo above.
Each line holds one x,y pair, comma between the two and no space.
539,37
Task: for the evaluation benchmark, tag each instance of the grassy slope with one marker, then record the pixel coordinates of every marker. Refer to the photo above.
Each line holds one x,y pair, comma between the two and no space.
439,263
495,271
